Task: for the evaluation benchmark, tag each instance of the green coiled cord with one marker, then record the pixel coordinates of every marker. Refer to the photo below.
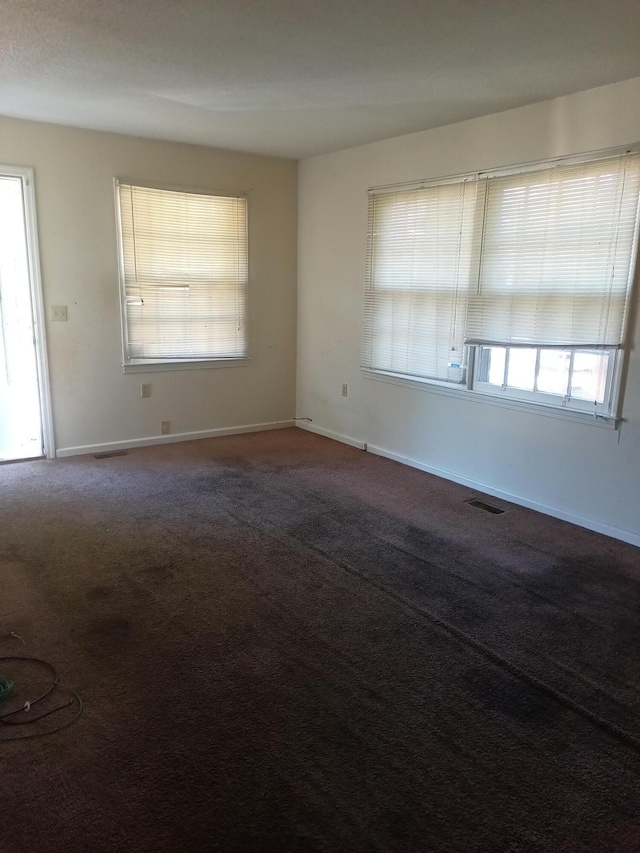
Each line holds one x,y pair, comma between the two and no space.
6,688
29,712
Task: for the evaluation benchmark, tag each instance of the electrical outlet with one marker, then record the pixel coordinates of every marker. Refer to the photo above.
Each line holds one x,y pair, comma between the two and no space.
345,389
59,313
145,389
164,427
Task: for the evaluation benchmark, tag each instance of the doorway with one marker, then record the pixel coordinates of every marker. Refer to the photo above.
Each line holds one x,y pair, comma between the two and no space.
25,416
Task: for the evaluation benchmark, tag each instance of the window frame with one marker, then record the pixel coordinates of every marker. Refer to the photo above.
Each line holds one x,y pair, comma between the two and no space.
138,365
547,398
470,388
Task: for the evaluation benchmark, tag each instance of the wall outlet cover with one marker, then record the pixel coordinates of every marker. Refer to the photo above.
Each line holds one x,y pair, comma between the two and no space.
59,313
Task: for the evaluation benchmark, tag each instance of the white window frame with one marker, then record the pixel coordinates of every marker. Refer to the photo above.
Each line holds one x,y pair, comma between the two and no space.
536,402
136,365
544,397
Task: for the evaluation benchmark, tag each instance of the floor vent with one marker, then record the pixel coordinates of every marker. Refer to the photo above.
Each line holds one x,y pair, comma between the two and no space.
486,507
109,454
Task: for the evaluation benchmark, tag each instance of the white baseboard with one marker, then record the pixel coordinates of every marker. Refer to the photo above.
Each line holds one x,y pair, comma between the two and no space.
581,521
590,523
168,439
327,433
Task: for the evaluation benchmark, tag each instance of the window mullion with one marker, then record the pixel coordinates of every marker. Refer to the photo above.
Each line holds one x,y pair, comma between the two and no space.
537,370
506,368
567,396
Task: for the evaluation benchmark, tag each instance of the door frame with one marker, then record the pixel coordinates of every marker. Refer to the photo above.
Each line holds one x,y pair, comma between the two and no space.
25,174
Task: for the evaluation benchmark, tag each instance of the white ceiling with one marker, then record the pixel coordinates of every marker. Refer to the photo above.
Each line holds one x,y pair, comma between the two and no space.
302,77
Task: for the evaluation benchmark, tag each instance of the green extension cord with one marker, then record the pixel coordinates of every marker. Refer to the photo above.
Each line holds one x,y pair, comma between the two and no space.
6,688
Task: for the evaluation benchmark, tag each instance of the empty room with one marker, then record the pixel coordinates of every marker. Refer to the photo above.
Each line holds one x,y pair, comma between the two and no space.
319,426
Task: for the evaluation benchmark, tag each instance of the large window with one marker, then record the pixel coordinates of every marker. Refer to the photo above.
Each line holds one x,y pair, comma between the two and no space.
515,285
184,275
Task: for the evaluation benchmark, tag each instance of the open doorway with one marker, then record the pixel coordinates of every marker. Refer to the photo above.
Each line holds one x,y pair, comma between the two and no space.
25,416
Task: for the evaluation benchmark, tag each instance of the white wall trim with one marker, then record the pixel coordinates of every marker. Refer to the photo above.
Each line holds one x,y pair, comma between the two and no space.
168,439
327,433
590,523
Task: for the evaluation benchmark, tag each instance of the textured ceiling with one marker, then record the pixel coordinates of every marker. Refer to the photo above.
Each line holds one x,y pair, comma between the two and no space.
302,77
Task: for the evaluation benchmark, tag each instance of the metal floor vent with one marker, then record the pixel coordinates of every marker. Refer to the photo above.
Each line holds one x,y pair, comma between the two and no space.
109,454
486,507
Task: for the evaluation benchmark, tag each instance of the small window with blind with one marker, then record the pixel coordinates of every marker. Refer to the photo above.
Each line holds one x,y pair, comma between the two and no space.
514,285
184,276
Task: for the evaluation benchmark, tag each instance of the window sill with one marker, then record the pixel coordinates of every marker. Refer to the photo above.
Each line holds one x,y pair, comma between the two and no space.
154,366
462,393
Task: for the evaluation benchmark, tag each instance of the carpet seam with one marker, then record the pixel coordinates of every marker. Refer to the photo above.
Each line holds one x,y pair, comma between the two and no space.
605,725
435,566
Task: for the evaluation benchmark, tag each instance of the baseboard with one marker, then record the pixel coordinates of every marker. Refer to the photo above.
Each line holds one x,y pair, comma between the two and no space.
327,433
581,521
128,444
555,512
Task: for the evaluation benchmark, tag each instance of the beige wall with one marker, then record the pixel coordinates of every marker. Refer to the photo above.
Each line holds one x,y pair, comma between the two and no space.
93,401
586,473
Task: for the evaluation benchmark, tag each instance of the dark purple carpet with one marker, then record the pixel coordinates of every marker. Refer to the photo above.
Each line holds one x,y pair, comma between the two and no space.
285,644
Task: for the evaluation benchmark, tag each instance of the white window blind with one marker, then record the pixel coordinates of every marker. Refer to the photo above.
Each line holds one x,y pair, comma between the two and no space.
556,256
185,269
418,270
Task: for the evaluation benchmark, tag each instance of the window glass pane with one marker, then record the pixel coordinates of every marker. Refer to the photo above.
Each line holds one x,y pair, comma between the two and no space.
589,376
553,375
496,361
522,368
